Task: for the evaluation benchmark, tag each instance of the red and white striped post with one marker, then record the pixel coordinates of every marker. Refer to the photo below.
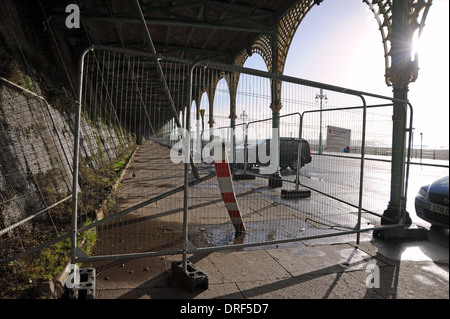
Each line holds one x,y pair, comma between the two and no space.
223,173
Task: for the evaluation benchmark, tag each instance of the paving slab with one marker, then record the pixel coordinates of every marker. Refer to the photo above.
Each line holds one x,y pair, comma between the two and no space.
316,268
301,272
309,286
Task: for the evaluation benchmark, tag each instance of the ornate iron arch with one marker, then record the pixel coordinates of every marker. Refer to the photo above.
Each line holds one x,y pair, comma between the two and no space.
209,88
262,46
285,31
274,48
287,28
417,13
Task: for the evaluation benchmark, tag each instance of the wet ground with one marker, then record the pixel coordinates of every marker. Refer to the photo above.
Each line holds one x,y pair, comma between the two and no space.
283,270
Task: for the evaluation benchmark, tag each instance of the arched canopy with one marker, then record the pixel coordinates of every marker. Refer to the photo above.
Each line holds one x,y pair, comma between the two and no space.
214,30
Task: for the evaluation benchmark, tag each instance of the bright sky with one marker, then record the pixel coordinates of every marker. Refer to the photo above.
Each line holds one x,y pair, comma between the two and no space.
339,43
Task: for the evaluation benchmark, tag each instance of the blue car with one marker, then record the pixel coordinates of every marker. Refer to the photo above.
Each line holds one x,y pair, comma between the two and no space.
432,202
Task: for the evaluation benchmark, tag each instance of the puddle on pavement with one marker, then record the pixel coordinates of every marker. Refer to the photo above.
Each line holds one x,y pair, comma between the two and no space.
256,232
137,234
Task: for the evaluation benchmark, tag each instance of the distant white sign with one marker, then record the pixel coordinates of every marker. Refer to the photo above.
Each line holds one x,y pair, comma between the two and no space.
338,139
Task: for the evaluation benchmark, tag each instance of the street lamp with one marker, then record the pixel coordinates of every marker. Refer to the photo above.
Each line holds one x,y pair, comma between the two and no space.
321,97
243,116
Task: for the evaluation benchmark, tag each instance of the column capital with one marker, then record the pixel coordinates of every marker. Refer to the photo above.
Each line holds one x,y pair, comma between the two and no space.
276,107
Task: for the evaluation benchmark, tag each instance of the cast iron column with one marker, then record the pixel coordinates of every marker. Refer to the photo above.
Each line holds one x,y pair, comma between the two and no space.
275,180
401,76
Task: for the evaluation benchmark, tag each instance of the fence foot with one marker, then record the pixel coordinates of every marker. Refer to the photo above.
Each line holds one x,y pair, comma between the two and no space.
192,279
239,174
407,232
86,287
275,181
294,194
242,177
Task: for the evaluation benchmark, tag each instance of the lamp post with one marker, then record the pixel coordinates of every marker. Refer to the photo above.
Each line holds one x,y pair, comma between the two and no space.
202,114
319,98
421,147
243,116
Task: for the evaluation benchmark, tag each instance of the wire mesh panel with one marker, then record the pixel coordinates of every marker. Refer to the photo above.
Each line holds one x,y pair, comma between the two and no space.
185,116
338,172
35,171
124,91
156,225
346,166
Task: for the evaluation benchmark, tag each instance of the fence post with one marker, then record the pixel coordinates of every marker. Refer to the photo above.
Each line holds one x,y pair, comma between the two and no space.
297,193
76,151
299,154
361,174
186,170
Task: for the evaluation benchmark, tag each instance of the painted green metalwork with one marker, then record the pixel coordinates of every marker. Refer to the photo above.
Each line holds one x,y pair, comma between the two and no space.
398,22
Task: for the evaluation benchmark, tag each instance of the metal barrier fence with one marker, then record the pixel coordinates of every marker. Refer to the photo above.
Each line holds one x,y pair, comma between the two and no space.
143,217
338,178
170,201
36,166
35,170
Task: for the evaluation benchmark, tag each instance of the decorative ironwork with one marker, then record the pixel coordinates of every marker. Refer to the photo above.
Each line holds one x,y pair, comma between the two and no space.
416,14
285,31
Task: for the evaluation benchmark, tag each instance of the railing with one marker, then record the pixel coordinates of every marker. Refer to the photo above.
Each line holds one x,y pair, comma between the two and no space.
35,170
164,208
169,201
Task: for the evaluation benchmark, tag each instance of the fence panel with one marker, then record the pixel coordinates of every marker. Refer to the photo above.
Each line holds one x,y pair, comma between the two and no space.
146,212
35,171
341,172
337,170
168,202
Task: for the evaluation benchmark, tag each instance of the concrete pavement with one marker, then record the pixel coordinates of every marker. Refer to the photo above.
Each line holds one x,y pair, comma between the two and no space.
326,268
408,269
